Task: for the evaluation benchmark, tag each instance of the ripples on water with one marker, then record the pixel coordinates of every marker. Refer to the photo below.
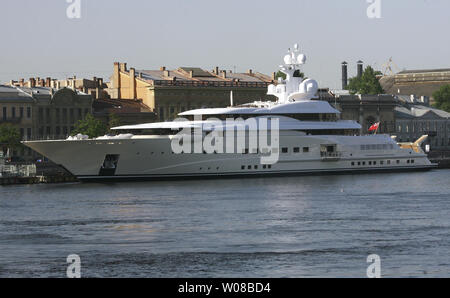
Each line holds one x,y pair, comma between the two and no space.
321,226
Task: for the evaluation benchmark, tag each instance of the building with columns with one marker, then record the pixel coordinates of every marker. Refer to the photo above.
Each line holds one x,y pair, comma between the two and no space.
42,112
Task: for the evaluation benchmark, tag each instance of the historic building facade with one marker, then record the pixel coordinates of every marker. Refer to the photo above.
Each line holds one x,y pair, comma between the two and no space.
366,109
42,112
169,92
414,119
416,82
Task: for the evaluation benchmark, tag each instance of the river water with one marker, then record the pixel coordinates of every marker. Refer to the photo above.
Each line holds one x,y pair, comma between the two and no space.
318,226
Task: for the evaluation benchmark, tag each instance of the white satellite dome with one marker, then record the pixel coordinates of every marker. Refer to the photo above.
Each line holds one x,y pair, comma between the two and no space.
287,59
301,59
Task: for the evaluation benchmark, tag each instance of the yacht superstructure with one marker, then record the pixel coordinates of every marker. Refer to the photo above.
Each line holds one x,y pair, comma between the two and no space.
296,134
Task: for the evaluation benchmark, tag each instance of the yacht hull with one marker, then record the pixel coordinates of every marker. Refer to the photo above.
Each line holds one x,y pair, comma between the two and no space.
151,158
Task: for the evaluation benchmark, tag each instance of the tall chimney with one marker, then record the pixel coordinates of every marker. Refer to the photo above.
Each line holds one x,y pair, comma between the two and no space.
123,67
216,70
344,75
360,68
250,71
133,83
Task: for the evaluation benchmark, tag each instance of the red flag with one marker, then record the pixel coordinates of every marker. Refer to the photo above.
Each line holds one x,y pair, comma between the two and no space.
374,127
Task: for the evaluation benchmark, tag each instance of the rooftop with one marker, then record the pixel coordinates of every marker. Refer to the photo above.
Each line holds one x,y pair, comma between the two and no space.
198,77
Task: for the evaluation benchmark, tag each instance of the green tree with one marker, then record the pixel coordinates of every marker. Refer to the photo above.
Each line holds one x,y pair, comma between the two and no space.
9,136
442,98
91,127
367,84
282,75
114,121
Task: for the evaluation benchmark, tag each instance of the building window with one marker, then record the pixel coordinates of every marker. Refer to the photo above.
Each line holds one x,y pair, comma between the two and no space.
13,112
4,113
22,133
58,131
41,115
64,115
48,132
65,130
161,114
21,112
47,115
296,150
305,149
284,150
29,133
57,115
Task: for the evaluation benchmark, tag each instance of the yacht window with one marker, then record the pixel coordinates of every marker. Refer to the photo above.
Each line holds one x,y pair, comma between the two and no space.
413,161
374,163
407,161
284,150
296,150
388,162
256,167
398,161
269,166
381,162
305,149
370,163
353,163
364,163
249,167
359,163
243,168
264,167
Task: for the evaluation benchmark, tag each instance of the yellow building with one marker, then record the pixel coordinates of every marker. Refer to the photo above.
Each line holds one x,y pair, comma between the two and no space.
169,92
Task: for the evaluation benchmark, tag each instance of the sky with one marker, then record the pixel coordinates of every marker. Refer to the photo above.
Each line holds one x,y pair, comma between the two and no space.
37,37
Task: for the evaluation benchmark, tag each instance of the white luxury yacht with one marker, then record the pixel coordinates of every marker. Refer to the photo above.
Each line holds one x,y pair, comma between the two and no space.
297,134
